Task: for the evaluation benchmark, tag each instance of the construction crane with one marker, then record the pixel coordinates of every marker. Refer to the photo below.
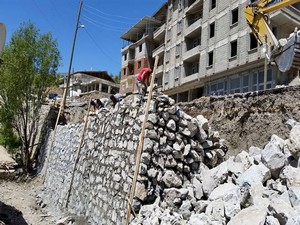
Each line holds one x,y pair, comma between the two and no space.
2,37
284,52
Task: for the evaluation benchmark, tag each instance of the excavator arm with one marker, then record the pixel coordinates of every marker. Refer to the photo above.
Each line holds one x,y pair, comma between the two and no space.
285,51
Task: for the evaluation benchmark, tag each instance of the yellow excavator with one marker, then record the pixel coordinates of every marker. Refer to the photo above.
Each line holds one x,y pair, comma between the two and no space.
284,52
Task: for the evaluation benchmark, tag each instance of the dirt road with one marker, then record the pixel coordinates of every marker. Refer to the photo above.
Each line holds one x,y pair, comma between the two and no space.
18,204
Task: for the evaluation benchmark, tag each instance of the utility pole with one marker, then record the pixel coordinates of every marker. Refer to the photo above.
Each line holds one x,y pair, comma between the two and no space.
62,105
71,60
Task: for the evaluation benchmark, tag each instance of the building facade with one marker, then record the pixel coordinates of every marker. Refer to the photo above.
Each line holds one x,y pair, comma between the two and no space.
207,48
88,82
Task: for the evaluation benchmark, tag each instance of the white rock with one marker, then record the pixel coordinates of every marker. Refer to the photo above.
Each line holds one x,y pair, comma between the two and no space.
199,219
272,155
255,174
295,141
252,215
197,186
291,176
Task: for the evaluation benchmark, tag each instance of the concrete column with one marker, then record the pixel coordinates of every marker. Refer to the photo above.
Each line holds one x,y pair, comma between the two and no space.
109,89
100,87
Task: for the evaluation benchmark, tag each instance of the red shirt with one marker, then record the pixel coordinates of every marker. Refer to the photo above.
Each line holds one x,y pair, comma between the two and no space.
144,74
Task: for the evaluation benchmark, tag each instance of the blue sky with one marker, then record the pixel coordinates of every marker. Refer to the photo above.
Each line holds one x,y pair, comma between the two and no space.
98,45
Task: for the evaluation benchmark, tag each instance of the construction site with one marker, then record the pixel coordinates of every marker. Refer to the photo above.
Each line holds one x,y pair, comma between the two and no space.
214,140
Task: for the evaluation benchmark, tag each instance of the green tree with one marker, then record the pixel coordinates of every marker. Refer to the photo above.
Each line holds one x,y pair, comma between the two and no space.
30,62
117,78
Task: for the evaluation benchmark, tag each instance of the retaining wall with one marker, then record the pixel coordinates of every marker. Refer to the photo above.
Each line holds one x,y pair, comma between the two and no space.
101,181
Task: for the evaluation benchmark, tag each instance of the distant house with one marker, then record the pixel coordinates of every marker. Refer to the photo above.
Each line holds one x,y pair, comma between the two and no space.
87,82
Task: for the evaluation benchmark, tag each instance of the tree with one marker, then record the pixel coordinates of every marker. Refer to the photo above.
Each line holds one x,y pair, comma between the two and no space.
30,62
117,78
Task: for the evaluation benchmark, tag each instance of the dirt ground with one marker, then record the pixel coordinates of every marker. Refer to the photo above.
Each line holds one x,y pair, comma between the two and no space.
18,204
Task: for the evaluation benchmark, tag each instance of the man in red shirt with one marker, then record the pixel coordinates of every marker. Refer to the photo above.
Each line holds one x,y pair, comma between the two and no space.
143,80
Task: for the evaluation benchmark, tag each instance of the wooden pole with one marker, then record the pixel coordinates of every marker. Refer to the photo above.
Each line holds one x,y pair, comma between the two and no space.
141,143
78,153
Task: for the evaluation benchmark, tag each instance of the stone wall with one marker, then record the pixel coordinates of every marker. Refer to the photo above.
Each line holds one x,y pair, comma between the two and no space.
101,180
175,146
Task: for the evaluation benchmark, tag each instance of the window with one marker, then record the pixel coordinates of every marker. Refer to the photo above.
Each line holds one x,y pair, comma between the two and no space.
253,41
210,58
124,71
217,88
178,50
196,42
245,83
212,30
258,80
212,4
195,68
139,64
233,48
234,16
235,86
125,56
140,48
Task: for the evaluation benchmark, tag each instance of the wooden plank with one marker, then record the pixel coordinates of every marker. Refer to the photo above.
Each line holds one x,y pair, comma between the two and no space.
78,153
141,143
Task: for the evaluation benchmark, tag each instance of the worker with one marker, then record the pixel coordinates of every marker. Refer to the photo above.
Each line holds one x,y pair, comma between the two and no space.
143,80
116,98
97,104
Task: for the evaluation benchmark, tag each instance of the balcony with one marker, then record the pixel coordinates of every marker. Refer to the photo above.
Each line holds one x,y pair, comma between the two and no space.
128,62
288,17
192,54
193,26
159,50
195,6
190,78
159,70
159,34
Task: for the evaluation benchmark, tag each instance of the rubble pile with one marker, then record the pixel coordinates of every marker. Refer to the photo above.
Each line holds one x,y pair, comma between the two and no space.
184,178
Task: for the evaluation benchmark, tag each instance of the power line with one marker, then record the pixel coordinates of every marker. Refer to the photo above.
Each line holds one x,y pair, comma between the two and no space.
106,18
106,14
91,37
99,24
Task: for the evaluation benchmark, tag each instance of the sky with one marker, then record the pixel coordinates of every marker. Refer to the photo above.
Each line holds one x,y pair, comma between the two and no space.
98,45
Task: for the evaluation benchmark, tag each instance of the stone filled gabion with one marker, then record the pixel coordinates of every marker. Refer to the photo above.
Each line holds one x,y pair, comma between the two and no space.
175,145
257,187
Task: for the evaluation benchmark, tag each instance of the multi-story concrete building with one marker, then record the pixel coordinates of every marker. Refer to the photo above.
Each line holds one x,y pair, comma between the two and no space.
207,48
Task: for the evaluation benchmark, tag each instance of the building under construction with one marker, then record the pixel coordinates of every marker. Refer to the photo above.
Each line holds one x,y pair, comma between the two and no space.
204,48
